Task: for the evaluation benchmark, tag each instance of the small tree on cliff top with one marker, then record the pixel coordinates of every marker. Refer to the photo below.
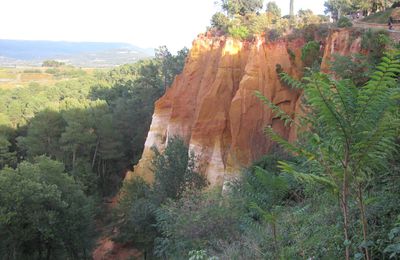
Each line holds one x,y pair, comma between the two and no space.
241,7
274,9
351,135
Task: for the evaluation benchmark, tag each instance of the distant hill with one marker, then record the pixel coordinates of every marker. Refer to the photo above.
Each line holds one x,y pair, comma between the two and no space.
83,54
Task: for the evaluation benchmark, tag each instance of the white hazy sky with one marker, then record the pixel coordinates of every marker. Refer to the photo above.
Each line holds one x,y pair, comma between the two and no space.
145,23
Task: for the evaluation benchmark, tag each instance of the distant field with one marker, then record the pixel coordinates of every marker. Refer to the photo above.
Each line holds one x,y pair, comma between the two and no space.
20,77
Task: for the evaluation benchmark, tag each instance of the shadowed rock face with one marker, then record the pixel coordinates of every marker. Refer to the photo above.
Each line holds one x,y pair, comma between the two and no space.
212,106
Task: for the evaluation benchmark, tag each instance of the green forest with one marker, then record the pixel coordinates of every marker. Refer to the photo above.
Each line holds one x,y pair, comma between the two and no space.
66,146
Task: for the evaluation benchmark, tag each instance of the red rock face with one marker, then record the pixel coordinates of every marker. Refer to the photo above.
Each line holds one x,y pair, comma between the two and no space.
343,42
212,105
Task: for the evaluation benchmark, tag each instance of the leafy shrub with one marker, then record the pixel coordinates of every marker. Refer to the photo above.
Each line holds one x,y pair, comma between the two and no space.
376,43
137,206
291,54
310,54
323,31
32,71
196,221
355,67
258,24
174,173
359,110
52,63
43,212
344,22
220,21
272,35
52,71
239,32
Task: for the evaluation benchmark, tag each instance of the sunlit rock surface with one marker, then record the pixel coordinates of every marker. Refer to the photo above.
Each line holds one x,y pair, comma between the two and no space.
212,105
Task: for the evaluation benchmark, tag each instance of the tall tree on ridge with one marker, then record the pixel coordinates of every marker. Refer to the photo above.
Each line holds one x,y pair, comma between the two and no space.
291,8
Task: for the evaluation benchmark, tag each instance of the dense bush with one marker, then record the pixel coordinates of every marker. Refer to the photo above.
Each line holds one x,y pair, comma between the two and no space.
220,21
375,43
197,221
343,115
174,174
344,22
44,213
242,25
355,68
52,63
310,54
239,32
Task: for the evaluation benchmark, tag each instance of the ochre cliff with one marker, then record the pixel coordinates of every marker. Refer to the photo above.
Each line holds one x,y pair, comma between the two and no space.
212,105
342,42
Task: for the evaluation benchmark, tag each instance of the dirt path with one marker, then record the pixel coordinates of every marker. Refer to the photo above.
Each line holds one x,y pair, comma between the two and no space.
106,248
394,34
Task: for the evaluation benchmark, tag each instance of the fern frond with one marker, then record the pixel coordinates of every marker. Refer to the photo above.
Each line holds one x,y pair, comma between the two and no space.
278,112
287,145
308,178
295,84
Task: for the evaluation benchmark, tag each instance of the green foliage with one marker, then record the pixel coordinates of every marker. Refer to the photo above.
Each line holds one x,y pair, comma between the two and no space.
379,17
244,25
197,220
376,43
242,7
137,208
220,21
44,140
344,22
7,157
171,65
292,56
274,9
43,212
96,125
175,174
52,63
175,171
310,54
352,138
52,71
355,68
239,32
32,71
394,236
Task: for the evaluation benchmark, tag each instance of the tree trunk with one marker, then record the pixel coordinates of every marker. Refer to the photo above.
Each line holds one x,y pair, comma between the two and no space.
73,158
95,154
363,218
291,8
48,253
274,233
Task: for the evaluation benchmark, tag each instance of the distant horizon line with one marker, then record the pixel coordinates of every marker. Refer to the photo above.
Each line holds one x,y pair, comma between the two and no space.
77,41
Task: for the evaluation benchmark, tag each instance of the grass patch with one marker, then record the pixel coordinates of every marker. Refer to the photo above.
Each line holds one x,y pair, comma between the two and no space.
7,74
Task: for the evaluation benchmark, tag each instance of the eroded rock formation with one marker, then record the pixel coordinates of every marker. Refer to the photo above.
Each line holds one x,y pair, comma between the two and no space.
212,105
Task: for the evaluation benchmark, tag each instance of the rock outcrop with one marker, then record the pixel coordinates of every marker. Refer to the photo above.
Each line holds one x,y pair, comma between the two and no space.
342,42
212,105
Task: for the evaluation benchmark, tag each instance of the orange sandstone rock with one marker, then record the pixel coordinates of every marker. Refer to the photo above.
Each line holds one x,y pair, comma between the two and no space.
343,42
212,106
